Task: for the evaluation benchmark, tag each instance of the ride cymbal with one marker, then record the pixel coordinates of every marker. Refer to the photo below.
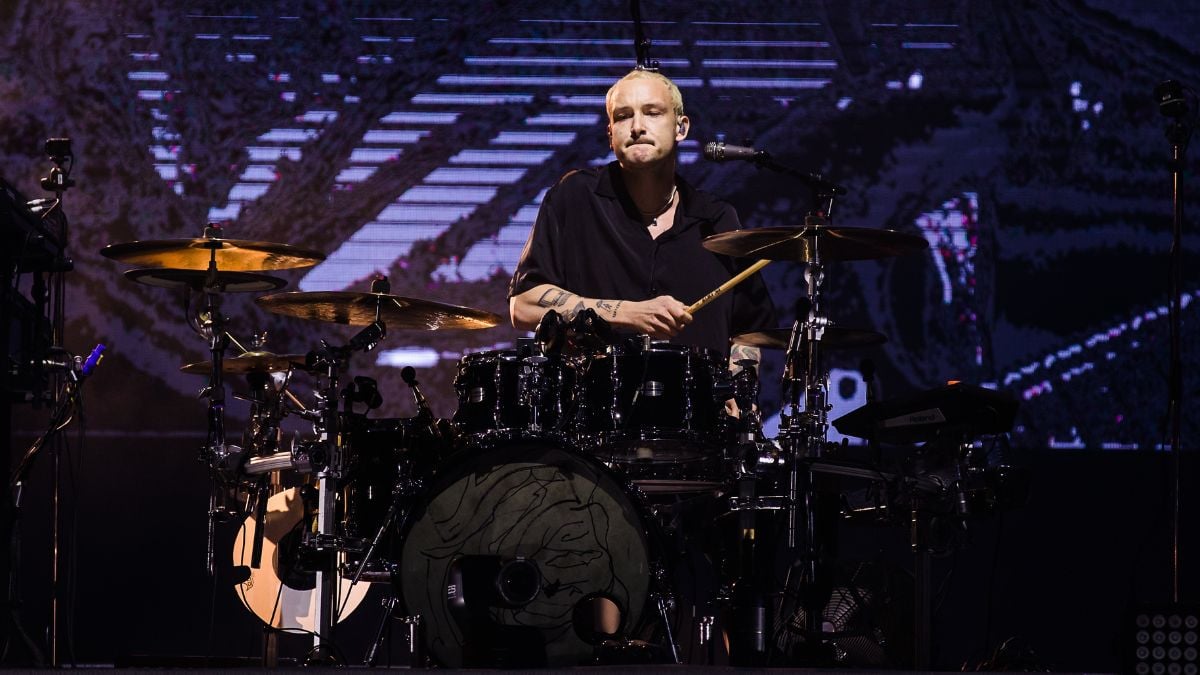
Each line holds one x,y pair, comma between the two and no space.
197,280
808,244
230,255
360,309
833,337
250,362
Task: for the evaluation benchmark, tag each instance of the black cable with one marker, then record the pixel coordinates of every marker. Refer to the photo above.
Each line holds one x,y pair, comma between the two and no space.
72,558
59,418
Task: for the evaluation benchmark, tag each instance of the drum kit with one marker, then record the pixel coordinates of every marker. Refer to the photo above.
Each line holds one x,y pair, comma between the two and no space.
544,522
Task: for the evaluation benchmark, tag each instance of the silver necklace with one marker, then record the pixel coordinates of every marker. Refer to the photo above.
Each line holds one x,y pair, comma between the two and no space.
665,207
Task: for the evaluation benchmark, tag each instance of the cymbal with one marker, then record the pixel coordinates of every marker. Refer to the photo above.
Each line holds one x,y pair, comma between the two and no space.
803,244
833,337
250,362
358,309
232,255
226,282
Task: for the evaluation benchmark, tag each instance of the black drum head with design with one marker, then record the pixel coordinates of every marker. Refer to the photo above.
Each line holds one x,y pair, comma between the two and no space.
524,556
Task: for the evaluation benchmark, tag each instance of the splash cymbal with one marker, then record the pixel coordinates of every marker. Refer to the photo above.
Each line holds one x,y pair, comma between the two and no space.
231,255
197,280
833,337
804,244
359,309
250,362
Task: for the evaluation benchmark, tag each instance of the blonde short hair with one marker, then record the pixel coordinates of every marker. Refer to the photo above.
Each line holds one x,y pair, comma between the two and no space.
672,88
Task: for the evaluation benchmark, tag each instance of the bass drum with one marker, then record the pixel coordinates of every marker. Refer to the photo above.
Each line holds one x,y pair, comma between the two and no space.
526,555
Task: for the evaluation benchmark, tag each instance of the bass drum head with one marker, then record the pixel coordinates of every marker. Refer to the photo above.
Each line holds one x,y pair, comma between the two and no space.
531,503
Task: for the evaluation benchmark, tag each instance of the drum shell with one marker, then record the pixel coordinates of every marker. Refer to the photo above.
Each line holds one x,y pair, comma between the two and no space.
540,501
504,395
656,402
380,455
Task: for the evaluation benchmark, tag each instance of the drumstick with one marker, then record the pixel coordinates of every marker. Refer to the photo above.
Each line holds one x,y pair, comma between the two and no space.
720,290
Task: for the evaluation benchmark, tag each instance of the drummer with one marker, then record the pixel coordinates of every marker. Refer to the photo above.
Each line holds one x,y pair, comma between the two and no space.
625,239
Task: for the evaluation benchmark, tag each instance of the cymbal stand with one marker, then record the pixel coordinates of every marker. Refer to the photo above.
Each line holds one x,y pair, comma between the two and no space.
215,451
333,469
331,360
804,431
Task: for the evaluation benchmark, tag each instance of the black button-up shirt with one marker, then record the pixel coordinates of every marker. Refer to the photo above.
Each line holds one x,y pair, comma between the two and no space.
589,239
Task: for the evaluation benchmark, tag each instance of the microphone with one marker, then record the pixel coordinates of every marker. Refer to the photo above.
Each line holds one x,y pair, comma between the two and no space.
369,337
1171,101
867,368
365,390
409,375
718,151
589,332
548,333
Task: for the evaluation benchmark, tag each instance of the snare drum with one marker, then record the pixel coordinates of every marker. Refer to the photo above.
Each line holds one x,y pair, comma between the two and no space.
654,403
503,395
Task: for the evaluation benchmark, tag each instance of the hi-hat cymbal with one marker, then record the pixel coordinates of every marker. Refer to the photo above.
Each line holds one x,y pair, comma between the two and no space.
805,244
232,255
250,362
225,282
359,309
833,337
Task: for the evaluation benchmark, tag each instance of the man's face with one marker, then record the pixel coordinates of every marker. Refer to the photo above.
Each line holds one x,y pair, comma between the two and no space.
642,126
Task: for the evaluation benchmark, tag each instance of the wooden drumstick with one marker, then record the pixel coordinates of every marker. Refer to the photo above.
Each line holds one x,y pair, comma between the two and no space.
720,290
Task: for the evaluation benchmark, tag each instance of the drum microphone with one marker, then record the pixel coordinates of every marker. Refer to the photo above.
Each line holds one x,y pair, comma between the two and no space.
409,375
548,333
718,151
588,331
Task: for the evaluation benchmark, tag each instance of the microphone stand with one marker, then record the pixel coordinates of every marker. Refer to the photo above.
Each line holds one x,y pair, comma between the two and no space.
58,181
823,190
803,431
1174,106
641,43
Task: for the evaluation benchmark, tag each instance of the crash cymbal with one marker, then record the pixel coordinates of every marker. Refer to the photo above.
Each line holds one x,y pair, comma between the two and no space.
359,309
226,282
834,337
250,362
232,255
802,244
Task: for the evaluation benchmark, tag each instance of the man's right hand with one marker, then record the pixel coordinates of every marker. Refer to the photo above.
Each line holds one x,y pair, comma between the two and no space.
661,317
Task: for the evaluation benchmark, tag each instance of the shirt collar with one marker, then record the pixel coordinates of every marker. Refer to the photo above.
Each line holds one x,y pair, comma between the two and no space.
693,206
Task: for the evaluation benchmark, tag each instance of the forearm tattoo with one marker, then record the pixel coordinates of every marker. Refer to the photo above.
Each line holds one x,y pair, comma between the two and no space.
554,297
570,314
609,307
743,353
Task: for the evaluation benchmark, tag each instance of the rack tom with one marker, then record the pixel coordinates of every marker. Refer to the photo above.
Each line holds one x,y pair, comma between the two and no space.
508,394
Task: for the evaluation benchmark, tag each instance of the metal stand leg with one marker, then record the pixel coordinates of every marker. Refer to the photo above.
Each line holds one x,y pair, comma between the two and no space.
389,606
327,578
922,600
661,601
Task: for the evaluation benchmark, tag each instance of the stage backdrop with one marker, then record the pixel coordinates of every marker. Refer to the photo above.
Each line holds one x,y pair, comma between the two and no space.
416,139
1021,140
